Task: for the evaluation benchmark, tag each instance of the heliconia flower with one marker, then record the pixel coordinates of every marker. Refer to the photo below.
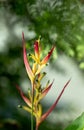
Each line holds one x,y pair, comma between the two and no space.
44,116
36,57
37,93
28,69
44,61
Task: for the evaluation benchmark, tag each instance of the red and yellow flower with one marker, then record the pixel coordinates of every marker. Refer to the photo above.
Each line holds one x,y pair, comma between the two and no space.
35,76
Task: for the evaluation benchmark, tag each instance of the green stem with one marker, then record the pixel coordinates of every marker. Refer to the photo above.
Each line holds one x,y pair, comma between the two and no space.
32,119
32,108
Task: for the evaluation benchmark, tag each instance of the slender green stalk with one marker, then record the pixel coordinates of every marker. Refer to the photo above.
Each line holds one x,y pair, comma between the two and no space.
32,122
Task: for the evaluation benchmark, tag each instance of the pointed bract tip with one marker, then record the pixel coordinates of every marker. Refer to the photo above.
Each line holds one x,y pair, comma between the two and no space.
55,103
23,34
46,58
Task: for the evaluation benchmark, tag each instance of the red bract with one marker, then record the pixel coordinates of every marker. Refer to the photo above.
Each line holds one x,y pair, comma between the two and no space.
45,91
45,60
36,49
27,101
28,69
54,105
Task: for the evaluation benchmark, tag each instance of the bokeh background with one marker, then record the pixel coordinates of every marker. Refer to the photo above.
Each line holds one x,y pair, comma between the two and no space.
59,22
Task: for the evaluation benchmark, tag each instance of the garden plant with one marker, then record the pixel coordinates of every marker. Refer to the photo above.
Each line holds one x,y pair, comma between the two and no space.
37,91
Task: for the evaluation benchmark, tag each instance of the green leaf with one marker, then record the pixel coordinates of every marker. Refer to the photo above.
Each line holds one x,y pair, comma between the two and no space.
77,124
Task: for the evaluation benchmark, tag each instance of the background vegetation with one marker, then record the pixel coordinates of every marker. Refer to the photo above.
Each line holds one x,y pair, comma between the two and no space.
59,22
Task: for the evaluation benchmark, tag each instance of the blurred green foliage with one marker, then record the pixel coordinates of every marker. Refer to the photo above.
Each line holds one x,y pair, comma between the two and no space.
59,22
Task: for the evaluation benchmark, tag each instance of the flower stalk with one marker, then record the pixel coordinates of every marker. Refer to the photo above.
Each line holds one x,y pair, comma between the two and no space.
37,93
